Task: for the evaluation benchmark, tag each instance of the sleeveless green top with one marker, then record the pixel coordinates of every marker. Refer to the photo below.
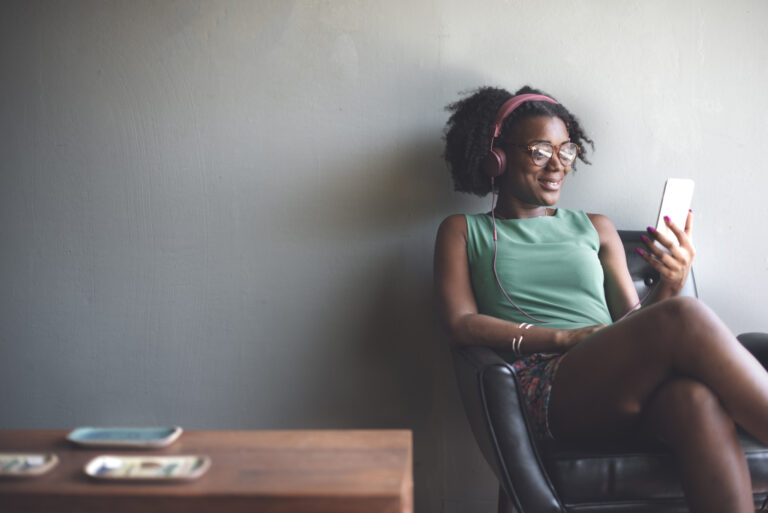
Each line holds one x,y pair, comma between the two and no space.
548,265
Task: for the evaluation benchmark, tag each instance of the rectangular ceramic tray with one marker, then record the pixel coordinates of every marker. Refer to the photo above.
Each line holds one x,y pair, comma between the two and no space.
128,437
26,465
147,468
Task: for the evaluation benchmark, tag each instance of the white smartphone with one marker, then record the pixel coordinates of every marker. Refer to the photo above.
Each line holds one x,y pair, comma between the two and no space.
675,203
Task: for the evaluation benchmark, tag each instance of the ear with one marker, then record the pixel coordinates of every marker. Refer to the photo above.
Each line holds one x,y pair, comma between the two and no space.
495,163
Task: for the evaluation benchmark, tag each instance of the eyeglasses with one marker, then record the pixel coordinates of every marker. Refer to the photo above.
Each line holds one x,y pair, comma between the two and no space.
542,151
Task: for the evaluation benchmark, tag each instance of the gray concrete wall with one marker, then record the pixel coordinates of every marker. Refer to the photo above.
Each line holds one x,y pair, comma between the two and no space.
221,213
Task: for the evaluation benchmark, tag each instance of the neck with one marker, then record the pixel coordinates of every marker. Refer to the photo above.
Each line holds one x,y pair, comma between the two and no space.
506,210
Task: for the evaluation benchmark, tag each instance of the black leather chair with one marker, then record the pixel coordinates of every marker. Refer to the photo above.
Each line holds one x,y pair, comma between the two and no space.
552,477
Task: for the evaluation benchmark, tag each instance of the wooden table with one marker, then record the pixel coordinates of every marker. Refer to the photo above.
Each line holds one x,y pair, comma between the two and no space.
251,471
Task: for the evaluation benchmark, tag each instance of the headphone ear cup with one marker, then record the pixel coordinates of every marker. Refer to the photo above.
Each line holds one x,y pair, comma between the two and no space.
495,163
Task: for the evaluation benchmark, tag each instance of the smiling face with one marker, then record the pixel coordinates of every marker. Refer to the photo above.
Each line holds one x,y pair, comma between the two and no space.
525,183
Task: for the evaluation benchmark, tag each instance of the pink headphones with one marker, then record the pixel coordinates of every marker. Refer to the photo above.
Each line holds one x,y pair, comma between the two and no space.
495,162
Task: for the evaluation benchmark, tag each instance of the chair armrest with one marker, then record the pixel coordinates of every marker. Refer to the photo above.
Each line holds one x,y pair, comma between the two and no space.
757,344
493,406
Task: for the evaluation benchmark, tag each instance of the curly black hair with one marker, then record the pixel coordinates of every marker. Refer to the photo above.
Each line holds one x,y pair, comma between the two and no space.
468,136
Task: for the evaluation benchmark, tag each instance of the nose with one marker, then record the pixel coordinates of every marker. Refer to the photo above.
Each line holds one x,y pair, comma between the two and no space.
555,164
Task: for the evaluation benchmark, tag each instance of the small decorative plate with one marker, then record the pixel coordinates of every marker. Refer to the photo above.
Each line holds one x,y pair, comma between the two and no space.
148,468
26,465
128,437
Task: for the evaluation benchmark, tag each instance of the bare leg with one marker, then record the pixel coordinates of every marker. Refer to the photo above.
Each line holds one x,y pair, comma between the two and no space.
604,383
687,415
629,373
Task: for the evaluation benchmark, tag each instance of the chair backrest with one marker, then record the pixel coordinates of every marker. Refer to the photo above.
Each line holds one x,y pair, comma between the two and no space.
643,275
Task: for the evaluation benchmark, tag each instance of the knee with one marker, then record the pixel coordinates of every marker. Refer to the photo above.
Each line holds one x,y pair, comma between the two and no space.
689,398
684,406
671,323
685,319
683,311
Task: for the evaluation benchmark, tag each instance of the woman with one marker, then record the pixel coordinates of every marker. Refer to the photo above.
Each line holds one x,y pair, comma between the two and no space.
553,286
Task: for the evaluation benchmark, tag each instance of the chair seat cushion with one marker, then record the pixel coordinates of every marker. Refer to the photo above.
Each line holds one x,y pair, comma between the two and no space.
631,471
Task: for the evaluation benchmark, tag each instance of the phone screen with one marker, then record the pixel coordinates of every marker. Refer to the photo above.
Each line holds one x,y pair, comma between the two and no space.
675,203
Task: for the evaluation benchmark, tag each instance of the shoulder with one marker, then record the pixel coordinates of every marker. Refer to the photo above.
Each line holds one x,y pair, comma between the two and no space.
601,222
451,244
605,229
453,226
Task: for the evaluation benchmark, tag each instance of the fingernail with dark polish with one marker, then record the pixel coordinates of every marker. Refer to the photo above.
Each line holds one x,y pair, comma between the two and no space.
640,251
650,229
645,239
666,218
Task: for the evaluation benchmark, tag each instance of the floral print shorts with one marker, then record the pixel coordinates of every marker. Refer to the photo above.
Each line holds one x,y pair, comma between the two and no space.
535,375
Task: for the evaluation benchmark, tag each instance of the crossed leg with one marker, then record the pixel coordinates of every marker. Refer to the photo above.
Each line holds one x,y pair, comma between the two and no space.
675,356
687,416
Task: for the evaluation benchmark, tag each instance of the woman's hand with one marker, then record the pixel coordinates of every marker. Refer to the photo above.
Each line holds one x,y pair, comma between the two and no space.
675,263
569,338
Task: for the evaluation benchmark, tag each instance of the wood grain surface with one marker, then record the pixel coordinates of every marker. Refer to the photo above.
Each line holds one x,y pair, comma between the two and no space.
251,471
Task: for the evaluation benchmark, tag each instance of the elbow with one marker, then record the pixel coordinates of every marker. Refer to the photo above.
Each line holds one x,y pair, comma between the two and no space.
459,330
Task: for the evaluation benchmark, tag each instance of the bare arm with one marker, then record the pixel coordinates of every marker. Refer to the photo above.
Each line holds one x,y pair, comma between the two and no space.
673,265
458,308
620,292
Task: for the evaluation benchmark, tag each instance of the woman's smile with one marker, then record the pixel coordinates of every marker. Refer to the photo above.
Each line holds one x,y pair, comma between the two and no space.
551,184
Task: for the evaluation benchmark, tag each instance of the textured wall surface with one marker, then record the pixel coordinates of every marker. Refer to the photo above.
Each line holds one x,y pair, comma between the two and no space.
221,213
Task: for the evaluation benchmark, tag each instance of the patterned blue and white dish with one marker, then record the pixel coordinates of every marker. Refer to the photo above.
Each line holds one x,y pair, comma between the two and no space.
175,467
26,465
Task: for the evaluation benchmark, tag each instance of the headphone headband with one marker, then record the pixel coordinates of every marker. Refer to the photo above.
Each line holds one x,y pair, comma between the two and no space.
495,162
510,105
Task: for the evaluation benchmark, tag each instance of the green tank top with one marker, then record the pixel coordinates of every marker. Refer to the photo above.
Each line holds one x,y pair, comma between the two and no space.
548,265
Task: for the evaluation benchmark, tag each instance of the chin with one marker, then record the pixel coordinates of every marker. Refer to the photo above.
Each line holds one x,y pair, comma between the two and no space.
550,201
